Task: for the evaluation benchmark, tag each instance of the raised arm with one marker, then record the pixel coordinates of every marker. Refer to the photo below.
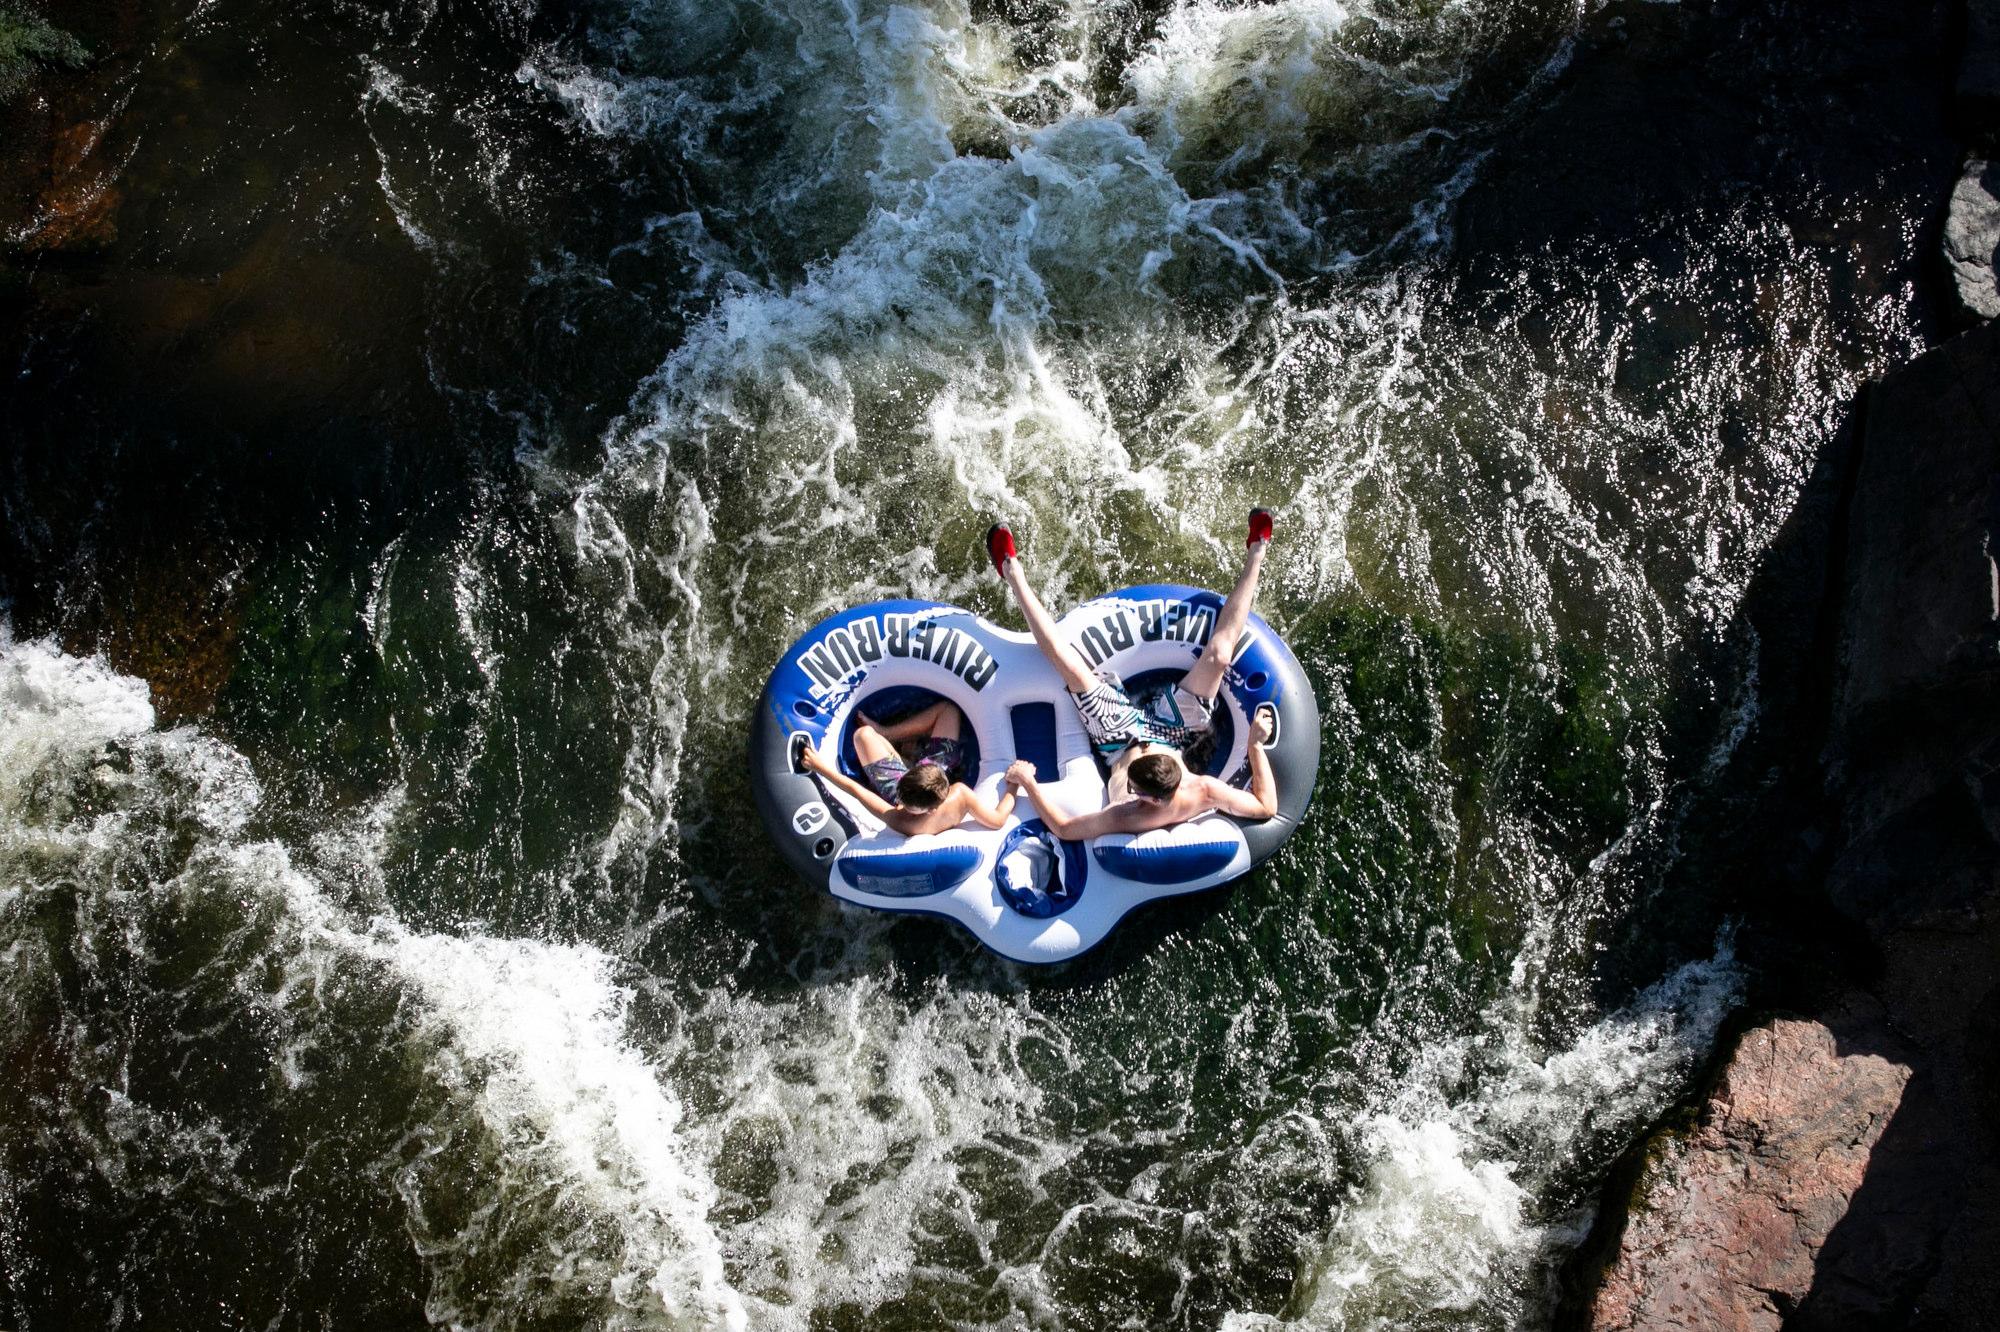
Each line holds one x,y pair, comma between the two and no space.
869,801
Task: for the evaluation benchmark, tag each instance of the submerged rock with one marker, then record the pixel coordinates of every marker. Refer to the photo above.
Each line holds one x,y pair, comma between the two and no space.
63,141
171,617
1728,1221
77,206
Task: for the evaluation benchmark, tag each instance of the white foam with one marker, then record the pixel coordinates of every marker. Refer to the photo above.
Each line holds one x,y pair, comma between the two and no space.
529,1038
866,1100
556,1080
1441,1219
1423,1231
57,710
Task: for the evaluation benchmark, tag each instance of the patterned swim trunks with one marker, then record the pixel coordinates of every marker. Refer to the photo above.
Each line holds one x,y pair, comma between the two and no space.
883,774
1115,719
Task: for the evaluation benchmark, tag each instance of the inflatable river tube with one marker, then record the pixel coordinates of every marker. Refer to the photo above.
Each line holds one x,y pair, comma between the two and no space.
1022,893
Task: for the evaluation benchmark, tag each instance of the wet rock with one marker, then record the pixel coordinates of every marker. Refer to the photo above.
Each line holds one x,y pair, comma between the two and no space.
1728,1222
1917,699
77,206
173,618
1972,235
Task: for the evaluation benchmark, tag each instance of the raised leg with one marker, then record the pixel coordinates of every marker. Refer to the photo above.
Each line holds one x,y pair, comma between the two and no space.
871,746
1205,677
1076,676
944,722
941,719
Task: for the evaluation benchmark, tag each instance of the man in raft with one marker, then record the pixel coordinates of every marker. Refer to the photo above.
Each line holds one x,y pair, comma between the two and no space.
1142,739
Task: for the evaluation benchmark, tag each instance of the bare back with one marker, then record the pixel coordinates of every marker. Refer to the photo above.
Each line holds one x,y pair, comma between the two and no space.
950,812
959,804
1195,797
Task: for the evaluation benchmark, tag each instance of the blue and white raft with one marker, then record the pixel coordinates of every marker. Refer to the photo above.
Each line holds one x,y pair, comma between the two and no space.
1020,891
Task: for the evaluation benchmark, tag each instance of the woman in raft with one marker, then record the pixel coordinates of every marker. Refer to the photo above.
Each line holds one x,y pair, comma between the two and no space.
920,799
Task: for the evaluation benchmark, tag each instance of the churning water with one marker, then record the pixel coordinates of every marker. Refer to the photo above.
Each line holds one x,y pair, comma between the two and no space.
517,386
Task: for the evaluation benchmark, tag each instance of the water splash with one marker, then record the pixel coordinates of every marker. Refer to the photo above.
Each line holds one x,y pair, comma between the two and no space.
538,1136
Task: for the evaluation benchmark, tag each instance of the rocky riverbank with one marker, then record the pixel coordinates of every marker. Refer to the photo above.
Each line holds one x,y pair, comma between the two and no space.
1844,1170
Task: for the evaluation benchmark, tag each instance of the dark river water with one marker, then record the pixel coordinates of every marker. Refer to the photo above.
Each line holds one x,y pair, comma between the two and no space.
474,399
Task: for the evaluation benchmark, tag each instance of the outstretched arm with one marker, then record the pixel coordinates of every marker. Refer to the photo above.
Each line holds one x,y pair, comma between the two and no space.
1069,827
993,815
869,801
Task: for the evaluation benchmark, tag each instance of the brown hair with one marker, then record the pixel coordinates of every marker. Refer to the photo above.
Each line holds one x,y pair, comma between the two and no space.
923,787
1155,775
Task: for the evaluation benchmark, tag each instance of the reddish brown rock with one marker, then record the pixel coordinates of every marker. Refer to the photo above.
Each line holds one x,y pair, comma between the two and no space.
170,616
1727,1222
77,208
62,140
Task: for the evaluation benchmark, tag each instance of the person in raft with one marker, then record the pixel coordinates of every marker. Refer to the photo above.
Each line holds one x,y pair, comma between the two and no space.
1142,739
913,800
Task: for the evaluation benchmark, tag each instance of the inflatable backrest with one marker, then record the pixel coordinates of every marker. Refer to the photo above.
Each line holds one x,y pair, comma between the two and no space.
908,869
1181,854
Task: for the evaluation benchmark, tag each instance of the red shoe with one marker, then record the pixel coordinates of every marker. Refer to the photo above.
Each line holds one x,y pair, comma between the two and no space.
999,547
1260,526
